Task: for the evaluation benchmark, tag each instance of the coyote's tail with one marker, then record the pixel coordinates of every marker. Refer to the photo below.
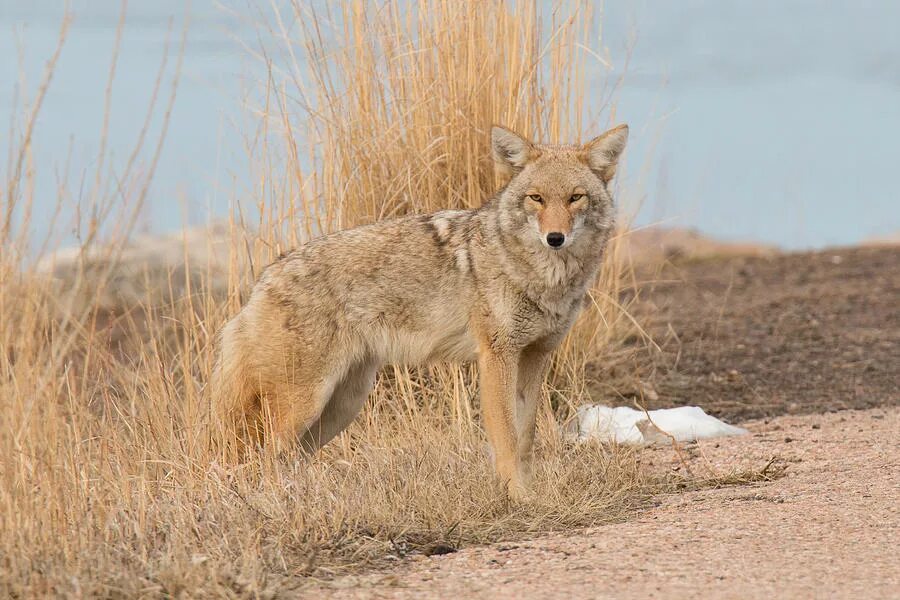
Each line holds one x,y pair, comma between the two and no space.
234,398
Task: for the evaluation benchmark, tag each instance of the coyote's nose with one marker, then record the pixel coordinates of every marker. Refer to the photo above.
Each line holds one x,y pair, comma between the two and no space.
556,239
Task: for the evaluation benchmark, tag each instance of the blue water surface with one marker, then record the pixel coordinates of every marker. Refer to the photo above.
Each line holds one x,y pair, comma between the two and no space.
775,121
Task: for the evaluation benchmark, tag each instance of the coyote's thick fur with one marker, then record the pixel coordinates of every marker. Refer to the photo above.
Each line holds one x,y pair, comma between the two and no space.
503,283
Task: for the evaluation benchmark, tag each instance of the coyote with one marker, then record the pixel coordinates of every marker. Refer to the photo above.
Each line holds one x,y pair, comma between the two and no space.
502,283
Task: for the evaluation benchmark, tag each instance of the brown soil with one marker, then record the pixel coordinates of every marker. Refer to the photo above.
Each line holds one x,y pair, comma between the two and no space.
751,337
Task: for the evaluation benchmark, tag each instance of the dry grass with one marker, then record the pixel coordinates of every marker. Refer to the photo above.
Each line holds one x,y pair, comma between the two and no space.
105,485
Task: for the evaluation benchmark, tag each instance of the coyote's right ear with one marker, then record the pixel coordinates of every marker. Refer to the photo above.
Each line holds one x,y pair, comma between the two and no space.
510,150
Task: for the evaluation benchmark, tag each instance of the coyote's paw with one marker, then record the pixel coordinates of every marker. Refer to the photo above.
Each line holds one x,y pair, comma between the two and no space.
519,492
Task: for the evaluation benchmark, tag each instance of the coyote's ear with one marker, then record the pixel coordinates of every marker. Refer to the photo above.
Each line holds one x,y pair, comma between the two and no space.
602,153
510,150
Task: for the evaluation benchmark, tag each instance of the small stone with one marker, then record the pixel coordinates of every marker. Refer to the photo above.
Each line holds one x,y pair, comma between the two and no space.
439,549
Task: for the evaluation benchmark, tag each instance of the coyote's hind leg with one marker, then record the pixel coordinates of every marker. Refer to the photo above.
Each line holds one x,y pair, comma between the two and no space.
347,400
294,405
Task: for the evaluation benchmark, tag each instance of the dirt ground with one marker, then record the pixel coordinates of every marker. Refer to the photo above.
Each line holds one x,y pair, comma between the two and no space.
783,345
752,337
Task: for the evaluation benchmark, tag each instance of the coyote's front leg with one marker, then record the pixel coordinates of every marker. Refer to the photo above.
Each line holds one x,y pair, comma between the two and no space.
498,370
532,369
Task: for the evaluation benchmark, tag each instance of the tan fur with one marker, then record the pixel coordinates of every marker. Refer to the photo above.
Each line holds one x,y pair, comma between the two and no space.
300,358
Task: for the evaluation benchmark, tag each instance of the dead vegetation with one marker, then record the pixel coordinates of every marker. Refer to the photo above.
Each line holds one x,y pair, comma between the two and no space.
105,485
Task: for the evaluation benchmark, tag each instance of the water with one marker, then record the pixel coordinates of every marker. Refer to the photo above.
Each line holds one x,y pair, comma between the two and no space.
203,155
784,116
776,121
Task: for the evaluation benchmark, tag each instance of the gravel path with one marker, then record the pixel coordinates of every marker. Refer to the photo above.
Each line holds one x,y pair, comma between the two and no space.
829,528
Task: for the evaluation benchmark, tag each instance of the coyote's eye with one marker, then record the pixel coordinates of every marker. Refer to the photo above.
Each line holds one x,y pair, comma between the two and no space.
536,198
575,198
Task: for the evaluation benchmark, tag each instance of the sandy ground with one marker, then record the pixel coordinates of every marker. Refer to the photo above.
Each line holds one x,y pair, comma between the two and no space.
829,528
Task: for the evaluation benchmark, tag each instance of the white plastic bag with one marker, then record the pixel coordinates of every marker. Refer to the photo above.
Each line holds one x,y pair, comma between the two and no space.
625,425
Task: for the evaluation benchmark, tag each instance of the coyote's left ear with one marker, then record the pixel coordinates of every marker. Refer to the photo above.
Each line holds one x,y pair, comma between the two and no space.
602,153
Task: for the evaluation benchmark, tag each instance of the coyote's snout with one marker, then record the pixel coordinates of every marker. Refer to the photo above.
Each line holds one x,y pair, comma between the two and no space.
502,284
